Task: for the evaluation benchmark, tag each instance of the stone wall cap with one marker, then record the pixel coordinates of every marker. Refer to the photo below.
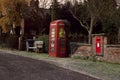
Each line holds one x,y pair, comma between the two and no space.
113,46
101,34
77,43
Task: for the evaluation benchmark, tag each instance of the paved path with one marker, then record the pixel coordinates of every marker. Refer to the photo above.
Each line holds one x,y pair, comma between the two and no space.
14,67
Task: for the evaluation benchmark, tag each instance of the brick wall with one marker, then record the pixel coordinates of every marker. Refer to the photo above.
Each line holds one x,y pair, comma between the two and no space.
82,50
111,53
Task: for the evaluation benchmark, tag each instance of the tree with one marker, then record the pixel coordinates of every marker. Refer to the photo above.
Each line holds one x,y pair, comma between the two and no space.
44,3
109,18
54,10
117,21
87,14
92,11
12,9
40,17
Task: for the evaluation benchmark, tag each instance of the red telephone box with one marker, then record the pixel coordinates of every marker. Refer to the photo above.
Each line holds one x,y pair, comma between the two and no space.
57,39
98,45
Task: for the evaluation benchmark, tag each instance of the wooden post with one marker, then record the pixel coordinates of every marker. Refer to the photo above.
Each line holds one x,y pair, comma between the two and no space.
20,43
20,46
22,27
14,25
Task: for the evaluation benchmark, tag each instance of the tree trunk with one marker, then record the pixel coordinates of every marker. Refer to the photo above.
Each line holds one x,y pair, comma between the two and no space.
54,10
90,31
119,35
89,38
0,31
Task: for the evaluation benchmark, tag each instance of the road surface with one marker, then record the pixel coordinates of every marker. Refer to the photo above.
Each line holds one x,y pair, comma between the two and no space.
13,67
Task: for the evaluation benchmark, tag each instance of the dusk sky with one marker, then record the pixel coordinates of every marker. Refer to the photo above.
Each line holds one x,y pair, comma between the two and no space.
47,3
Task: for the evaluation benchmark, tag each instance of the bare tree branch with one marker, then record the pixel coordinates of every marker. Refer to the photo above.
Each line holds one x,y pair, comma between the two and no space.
85,26
44,3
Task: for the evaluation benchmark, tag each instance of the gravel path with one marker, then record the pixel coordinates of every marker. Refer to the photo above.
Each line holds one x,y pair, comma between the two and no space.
13,67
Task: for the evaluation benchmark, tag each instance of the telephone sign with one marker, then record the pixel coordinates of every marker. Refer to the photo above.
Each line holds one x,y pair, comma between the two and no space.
57,39
61,32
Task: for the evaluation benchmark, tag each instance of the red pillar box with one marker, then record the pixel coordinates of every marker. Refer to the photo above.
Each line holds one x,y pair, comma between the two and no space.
98,44
57,39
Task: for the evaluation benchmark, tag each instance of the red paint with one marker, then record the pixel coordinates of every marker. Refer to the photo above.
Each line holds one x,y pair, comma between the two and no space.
57,39
98,45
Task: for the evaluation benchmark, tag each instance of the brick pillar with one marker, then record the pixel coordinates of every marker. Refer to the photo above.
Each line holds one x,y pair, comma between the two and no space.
98,44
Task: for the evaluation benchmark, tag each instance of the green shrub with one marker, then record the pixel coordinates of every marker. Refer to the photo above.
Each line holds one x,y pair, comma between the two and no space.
45,39
3,45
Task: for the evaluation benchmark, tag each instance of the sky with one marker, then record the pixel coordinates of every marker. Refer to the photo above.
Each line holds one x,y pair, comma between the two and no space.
118,2
47,3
